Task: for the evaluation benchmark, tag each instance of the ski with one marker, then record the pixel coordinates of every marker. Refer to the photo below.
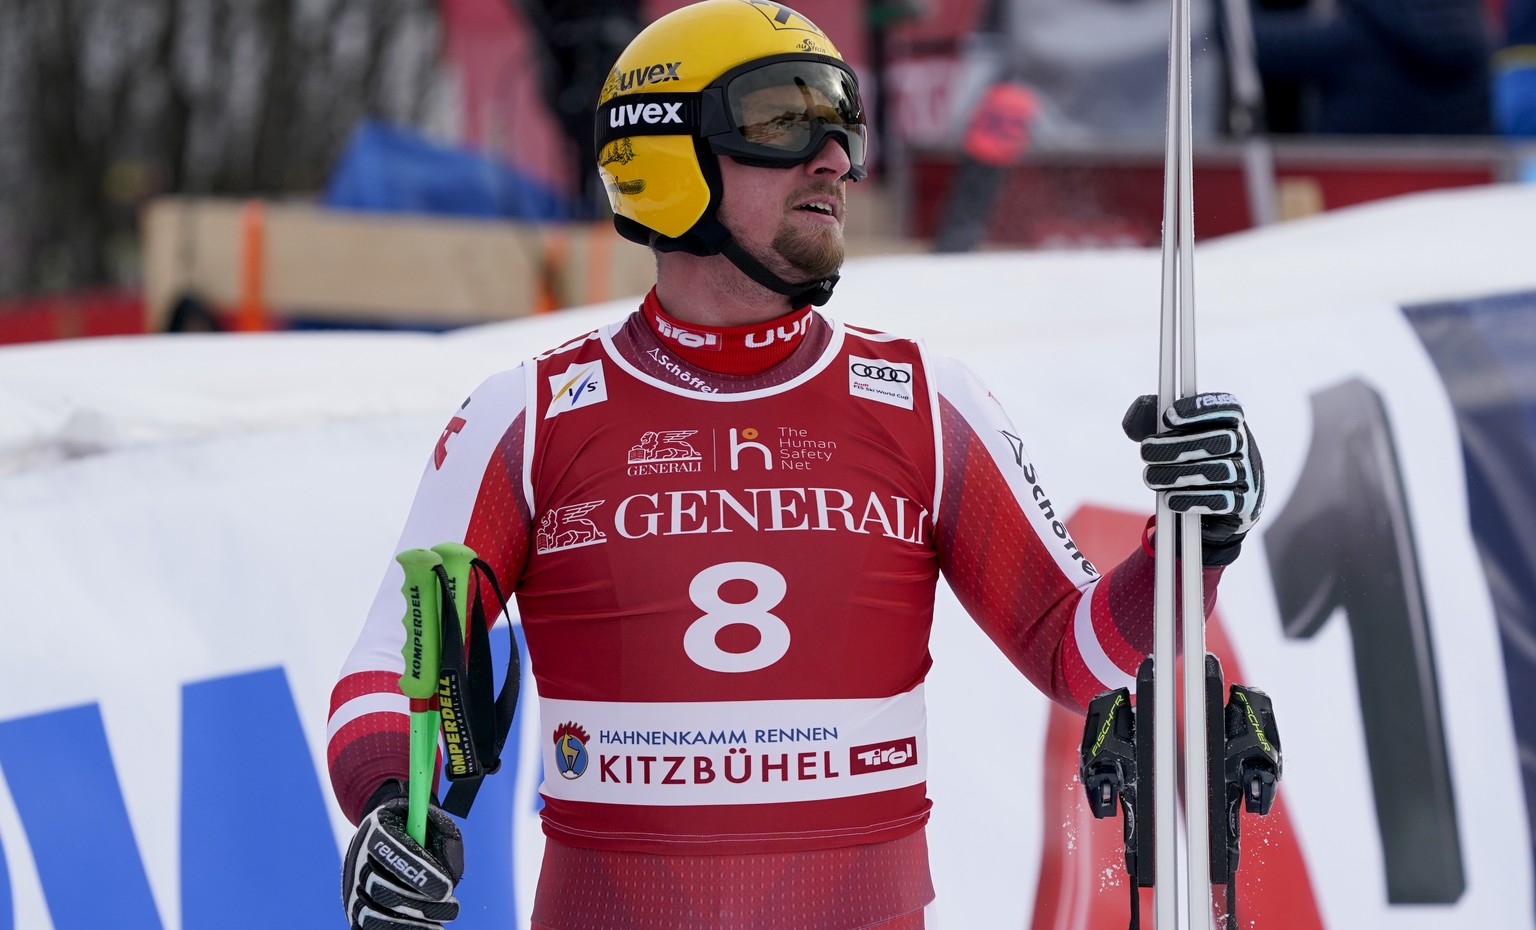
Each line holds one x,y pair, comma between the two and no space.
1229,758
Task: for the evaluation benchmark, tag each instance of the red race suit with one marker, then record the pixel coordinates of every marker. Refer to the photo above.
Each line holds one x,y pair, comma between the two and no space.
727,584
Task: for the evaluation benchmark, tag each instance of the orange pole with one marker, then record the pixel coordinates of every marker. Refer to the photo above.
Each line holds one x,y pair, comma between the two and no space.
251,311
556,249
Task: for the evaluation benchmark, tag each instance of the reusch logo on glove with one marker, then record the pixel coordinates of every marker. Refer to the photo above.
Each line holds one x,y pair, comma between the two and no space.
402,866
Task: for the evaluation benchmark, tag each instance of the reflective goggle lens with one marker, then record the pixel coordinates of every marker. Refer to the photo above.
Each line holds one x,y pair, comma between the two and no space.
783,107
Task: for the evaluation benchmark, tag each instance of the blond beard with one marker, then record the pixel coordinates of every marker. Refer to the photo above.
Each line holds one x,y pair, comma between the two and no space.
813,253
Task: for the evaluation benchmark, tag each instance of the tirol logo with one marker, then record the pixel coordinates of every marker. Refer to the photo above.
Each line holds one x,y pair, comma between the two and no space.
782,16
664,452
568,528
671,332
877,379
645,74
648,114
571,750
879,757
578,386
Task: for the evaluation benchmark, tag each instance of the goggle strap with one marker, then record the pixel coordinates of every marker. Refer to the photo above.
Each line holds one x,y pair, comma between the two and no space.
647,115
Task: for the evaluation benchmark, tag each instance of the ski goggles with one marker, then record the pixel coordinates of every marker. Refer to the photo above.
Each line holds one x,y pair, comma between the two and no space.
775,113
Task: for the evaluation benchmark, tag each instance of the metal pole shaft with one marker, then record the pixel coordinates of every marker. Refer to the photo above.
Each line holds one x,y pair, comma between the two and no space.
1165,646
1191,589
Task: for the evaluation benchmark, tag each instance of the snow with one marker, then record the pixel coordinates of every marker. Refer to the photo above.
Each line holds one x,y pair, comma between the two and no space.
226,502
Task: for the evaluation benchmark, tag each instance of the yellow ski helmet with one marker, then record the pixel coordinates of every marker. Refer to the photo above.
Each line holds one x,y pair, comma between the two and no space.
753,80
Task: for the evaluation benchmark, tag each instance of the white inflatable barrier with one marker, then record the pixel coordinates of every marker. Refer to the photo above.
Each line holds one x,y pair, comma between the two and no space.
192,527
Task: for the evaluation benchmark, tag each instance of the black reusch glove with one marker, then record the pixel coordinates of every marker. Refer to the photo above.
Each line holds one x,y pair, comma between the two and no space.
1206,457
389,882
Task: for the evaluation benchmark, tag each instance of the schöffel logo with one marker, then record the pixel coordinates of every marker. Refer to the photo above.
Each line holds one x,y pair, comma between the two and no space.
578,386
568,528
1047,509
649,114
571,750
877,379
879,757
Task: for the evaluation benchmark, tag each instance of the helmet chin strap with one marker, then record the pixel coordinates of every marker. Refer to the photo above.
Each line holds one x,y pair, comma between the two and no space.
815,293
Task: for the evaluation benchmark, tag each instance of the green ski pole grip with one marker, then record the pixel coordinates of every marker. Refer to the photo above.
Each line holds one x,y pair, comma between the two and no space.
423,635
456,561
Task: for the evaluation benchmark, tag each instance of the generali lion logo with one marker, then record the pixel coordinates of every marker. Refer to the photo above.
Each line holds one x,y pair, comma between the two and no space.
568,528
665,445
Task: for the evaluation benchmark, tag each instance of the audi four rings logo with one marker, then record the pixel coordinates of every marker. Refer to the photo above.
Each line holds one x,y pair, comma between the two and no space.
881,373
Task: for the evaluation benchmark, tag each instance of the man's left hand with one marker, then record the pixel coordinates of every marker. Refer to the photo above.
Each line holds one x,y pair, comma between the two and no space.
1205,457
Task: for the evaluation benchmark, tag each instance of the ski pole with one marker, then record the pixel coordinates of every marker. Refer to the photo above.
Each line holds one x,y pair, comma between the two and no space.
1176,378
423,634
456,563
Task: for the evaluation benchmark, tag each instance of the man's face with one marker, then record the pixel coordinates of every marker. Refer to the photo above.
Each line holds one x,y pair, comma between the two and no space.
790,219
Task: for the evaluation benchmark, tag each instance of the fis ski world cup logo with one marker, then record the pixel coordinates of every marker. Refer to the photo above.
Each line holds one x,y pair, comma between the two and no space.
578,386
571,750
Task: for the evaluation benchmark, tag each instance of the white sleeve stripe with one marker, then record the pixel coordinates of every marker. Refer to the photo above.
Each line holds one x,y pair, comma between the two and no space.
363,706
530,426
984,416
938,432
1092,651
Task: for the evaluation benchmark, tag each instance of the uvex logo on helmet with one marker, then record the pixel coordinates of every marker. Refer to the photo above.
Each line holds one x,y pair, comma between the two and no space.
650,114
648,74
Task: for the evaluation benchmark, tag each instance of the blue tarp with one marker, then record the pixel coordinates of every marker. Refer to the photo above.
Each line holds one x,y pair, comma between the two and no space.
395,170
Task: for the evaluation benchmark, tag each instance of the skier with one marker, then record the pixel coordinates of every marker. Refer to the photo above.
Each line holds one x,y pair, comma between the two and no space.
730,644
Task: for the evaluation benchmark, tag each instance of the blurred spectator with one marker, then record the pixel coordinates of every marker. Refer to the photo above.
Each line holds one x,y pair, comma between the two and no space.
579,40
1098,68
1514,85
1065,72
1385,67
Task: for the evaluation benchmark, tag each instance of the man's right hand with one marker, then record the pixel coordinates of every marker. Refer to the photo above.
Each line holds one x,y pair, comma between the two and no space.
389,882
